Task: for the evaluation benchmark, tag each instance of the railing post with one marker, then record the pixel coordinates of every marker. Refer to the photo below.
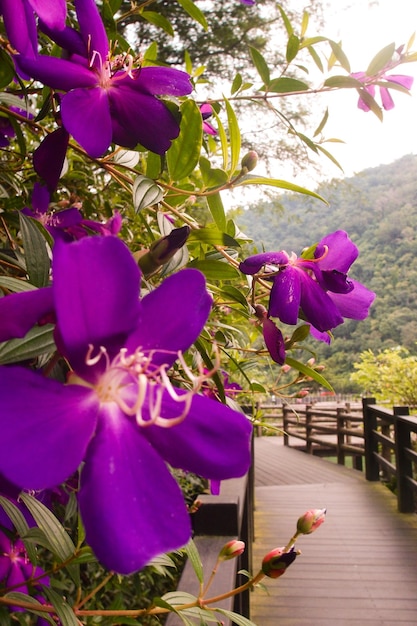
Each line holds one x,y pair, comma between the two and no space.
284,425
371,446
309,425
340,424
405,495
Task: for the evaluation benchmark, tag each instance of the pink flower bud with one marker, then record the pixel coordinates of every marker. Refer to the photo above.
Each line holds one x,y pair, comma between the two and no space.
231,550
276,562
249,161
310,521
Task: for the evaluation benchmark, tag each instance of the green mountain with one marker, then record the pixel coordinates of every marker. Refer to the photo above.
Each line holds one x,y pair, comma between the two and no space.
378,209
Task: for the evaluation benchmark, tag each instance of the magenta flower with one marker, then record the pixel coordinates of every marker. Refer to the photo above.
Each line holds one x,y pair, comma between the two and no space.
15,568
386,98
206,112
106,100
119,414
315,287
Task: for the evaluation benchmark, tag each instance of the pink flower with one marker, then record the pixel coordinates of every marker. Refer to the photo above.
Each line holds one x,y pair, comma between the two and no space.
310,521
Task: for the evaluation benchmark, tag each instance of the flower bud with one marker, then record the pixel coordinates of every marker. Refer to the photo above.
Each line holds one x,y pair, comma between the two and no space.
276,562
310,521
162,250
231,550
249,161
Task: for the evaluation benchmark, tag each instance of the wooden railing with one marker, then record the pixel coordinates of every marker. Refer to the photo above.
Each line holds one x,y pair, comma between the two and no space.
390,450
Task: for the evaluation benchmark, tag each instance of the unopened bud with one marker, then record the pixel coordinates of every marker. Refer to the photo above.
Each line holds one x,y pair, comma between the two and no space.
231,550
260,312
249,161
310,521
162,250
276,562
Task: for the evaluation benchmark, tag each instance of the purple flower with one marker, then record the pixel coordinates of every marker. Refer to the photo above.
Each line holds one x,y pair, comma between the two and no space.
314,287
67,224
106,99
15,568
249,3
19,21
273,337
386,98
119,414
206,112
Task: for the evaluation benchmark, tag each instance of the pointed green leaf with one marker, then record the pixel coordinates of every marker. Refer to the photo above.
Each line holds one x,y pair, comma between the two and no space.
6,69
217,211
236,618
213,236
234,137
286,21
16,285
308,371
232,293
194,12
23,597
64,611
195,560
35,250
274,182
322,123
371,102
287,85
158,20
39,340
342,81
184,153
223,140
215,270
260,64
212,176
380,60
293,47
145,193
340,55
236,84
329,156
304,24
315,58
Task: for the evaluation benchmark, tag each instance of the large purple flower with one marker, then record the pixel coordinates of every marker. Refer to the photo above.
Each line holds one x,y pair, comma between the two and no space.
106,99
15,568
119,414
314,287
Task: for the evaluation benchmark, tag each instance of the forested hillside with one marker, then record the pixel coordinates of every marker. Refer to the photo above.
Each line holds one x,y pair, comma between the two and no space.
378,208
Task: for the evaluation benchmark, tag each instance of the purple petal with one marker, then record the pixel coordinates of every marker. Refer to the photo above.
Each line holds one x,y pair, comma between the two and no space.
92,30
386,98
320,336
46,417
40,199
356,304
141,118
319,309
341,252
159,81
56,73
212,441
131,506
335,281
20,311
172,316
52,12
253,264
67,38
96,288
49,157
86,116
400,79
20,25
284,300
274,341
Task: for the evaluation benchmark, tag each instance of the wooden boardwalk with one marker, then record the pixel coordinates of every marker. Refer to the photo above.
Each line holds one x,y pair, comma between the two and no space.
358,568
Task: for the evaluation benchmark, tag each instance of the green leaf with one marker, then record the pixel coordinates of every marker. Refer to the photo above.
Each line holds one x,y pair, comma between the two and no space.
234,137
329,155
274,182
64,611
286,21
322,123
212,176
371,102
54,532
39,340
236,618
232,293
158,20
315,58
260,64
380,60
16,285
287,85
308,371
35,250
223,140
215,270
236,84
23,597
213,236
293,47
194,12
342,81
300,334
145,193
6,69
16,517
184,153
217,211
340,55
195,560
257,387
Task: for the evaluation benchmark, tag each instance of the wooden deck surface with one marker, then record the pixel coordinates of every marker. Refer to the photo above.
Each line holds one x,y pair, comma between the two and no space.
358,568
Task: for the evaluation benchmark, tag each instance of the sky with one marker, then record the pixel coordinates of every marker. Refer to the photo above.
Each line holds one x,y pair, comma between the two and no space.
364,28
